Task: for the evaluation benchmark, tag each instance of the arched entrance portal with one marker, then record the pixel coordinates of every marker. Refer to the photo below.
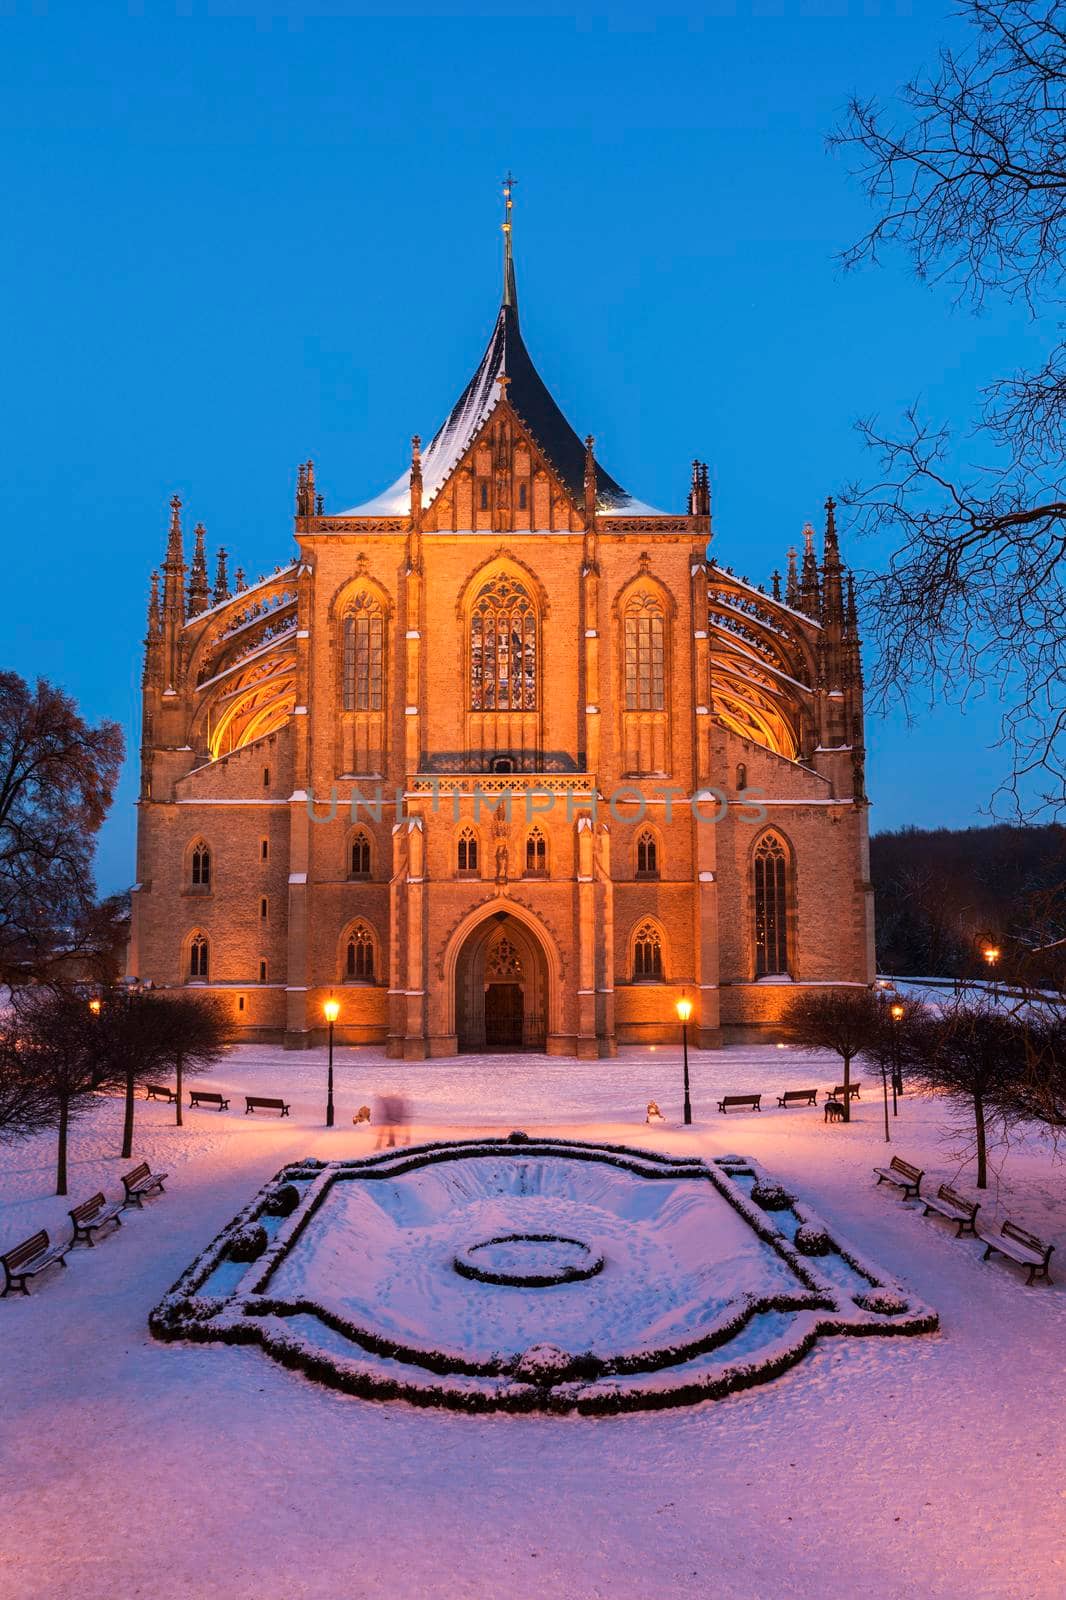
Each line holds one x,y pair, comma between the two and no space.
501,987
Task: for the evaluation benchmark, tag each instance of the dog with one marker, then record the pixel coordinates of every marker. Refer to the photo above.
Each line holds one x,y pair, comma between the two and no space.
834,1111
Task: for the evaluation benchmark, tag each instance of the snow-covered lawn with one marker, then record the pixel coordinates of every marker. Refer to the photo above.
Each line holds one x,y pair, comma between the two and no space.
929,1466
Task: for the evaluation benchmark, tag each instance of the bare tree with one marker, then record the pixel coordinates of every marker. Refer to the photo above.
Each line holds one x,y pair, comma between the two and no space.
191,1036
56,1049
57,777
128,1047
22,1107
974,1052
846,1021
970,181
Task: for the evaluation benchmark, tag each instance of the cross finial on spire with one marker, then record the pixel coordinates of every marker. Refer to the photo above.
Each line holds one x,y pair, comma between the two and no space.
510,293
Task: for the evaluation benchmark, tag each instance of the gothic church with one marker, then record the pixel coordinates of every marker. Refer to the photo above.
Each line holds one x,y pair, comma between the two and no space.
504,759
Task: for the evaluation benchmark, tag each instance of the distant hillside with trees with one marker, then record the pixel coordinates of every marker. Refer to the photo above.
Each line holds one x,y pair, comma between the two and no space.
943,893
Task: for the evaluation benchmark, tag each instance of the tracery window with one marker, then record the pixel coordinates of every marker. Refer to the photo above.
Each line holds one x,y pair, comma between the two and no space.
536,852
201,866
359,856
645,653
771,907
467,851
647,953
359,956
647,855
503,647
198,957
364,653
503,960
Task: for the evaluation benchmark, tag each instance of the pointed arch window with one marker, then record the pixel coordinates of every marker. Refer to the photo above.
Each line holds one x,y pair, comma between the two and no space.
644,628
536,853
467,855
647,954
359,856
359,955
200,866
647,854
199,954
503,647
503,962
771,907
364,655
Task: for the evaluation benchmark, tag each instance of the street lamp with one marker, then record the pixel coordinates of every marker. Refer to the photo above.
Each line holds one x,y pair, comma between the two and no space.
95,1006
332,1011
684,1012
896,1014
991,955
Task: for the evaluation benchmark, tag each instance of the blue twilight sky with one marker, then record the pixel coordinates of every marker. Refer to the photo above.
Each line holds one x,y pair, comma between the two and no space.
239,234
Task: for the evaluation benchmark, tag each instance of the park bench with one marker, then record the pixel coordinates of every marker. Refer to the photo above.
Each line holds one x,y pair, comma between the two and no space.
798,1097
853,1091
207,1097
949,1203
1021,1246
259,1102
159,1091
29,1258
903,1175
141,1181
94,1214
749,1100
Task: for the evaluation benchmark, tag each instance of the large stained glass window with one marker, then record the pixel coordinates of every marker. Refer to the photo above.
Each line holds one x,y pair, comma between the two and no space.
364,643
771,907
503,648
645,654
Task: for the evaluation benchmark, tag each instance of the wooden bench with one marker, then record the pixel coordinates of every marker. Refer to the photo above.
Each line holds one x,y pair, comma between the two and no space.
1020,1246
259,1102
853,1091
159,1091
955,1206
798,1097
94,1214
749,1100
29,1258
141,1181
903,1175
207,1097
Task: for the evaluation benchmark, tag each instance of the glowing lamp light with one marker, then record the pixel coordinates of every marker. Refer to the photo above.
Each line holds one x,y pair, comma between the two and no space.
684,1010
991,954
95,1007
331,1009
896,1013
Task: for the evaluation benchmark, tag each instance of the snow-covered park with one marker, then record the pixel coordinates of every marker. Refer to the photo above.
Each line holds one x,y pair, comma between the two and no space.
927,1465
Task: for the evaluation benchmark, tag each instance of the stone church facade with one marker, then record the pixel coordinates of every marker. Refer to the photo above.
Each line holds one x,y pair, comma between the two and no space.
503,759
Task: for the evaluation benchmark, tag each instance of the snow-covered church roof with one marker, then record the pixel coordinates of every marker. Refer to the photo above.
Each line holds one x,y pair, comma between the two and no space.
506,355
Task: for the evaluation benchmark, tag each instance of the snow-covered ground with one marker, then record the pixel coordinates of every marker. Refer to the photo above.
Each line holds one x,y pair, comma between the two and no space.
930,1466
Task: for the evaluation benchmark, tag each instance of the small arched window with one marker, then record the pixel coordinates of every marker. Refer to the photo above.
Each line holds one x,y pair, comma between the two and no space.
645,653
647,855
364,655
536,853
771,907
467,851
484,495
198,957
201,866
359,956
359,856
503,647
262,971
522,493
742,776
647,954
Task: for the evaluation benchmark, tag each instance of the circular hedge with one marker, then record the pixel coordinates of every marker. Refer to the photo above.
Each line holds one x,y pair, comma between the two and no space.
581,1263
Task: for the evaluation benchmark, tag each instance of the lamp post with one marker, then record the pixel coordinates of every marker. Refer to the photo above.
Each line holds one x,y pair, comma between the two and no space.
95,1006
897,1080
332,1011
684,1011
991,955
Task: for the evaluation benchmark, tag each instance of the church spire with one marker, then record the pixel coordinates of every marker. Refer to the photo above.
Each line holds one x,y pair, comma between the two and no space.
510,292
809,575
792,588
199,590
174,567
221,590
832,575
